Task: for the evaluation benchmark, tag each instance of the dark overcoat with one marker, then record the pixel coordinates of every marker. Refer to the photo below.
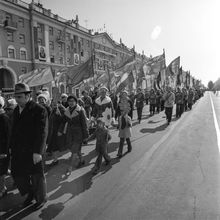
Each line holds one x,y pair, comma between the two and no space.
76,130
4,142
29,134
55,142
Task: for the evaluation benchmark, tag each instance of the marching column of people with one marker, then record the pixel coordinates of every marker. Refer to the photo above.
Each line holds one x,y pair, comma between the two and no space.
67,125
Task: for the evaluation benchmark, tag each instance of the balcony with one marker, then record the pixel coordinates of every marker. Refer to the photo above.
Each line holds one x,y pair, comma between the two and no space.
61,39
10,25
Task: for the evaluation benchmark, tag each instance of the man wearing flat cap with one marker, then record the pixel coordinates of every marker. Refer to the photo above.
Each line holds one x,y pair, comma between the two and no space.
28,141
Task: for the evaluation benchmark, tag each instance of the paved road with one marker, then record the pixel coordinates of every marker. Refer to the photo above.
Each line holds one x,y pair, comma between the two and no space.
173,173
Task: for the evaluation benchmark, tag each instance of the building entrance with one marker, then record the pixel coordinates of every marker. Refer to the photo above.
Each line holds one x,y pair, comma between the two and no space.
6,79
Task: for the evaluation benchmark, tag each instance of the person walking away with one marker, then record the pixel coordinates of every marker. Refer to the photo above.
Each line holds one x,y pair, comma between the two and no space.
76,131
152,101
139,103
158,101
169,99
102,137
185,98
179,99
125,125
190,98
162,100
4,147
28,141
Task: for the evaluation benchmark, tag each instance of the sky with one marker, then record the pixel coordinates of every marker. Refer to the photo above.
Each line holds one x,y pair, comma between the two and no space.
186,28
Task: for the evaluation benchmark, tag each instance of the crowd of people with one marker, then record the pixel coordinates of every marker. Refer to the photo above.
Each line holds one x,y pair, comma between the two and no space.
30,131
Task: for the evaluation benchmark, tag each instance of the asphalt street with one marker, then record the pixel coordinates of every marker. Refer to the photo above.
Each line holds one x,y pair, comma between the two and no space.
172,173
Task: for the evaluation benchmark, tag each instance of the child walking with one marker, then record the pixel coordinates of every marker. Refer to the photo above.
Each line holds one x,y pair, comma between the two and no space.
102,138
125,124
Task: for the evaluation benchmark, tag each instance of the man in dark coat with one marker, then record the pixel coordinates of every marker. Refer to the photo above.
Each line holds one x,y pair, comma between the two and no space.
28,141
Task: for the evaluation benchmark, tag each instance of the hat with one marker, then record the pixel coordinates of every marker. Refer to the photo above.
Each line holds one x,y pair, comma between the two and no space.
124,91
99,120
72,97
64,95
21,88
11,104
42,95
2,101
105,88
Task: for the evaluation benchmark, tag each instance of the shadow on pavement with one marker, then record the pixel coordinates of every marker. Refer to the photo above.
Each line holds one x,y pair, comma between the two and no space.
153,130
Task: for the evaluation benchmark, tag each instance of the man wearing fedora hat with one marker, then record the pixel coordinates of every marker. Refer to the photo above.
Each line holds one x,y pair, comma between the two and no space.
28,141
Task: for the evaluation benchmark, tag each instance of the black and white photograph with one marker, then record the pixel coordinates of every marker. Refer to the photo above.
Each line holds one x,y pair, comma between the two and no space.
109,110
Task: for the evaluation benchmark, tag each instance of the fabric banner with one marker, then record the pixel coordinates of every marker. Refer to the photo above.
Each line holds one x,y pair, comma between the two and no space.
80,72
173,68
37,77
125,80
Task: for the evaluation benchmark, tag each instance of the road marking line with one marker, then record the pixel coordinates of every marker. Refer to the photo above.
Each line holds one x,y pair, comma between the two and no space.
216,124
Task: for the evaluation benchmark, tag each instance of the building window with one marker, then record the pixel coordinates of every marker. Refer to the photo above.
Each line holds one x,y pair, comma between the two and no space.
40,28
21,22
82,41
24,69
59,32
22,38
68,48
51,31
61,60
82,53
88,43
68,60
51,45
39,41
60,47
10,36
68,36
74,38
52,60
23,54
11,52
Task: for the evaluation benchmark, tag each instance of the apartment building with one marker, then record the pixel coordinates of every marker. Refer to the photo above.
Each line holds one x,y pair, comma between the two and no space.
32,37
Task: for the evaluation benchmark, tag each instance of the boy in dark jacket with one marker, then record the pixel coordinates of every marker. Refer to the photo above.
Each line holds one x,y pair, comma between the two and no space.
102,137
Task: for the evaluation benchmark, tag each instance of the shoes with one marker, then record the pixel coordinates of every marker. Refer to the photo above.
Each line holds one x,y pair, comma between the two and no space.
129,150
69,171
80,164
55,162
39,205
119,155
95,171
3,193
107,162
29,199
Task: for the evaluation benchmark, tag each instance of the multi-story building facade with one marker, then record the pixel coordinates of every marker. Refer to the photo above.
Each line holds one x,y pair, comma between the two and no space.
33,37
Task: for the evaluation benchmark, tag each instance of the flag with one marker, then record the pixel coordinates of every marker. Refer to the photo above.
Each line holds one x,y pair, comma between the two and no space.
127,66
124,81
158,80
37,77
179,76
173,68
156,64
80,72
